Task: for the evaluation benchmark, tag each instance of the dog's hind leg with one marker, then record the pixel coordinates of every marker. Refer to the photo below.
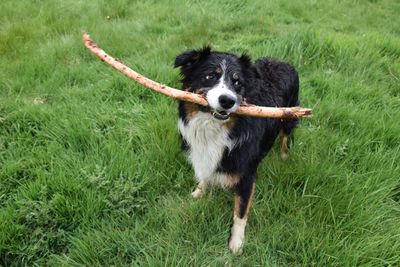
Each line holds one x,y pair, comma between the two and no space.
283,141
243,198
286,138
200,189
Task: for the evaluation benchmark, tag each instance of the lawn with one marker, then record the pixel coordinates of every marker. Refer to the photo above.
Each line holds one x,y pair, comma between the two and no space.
91,172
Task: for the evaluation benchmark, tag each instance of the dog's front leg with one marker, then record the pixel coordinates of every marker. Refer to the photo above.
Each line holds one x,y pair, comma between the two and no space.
244,191
200,190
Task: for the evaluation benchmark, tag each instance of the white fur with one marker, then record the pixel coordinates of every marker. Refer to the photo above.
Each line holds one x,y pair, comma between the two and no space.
207,139
237,234
214,94
200,190
198,193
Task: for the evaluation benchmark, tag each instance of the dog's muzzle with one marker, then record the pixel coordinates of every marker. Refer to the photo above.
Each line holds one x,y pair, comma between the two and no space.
222,102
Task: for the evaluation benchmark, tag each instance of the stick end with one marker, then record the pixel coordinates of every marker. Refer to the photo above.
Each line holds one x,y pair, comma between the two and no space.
85,36
306,113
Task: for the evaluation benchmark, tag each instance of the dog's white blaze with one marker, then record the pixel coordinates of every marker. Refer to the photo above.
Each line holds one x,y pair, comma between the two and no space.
207,139
220,89
237,234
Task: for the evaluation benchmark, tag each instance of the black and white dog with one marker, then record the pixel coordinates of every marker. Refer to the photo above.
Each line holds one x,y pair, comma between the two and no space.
225,149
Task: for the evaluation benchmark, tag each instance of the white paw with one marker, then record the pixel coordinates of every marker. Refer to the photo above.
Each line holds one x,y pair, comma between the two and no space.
198,193
236,244
284,155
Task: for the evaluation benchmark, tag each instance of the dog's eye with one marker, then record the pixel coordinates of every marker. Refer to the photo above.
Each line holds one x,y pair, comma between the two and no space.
235,77
209,77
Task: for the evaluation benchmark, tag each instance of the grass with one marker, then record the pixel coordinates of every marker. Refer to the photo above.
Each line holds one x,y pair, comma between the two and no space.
91,171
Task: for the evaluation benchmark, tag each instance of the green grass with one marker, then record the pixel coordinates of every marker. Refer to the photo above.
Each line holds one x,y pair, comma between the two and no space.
91,172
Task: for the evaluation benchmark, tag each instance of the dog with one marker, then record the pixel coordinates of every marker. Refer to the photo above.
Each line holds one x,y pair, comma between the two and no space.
223,148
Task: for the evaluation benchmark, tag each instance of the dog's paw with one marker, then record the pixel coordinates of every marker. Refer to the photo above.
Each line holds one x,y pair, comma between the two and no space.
198,193
284,155
236,245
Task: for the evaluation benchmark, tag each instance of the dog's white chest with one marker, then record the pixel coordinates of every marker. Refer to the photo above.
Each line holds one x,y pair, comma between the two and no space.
207,138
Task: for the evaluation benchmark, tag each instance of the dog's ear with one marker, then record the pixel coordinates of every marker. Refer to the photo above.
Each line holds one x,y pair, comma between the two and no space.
245,61
247,65
190,57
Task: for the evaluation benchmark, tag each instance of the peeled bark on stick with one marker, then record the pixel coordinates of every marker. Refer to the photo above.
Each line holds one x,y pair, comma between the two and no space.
246,110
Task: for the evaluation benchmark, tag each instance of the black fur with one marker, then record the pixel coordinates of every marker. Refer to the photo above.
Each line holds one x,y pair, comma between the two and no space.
266,82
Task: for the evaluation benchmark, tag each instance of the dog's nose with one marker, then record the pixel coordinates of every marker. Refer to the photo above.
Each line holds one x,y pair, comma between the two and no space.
227,101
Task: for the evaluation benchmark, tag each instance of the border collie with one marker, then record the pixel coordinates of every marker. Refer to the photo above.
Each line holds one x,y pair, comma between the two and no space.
223,148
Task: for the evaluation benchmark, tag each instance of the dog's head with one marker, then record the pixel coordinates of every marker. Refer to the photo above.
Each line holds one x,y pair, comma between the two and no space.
220,77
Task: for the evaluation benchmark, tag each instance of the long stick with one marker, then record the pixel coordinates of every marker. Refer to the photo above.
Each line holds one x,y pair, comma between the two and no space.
249,110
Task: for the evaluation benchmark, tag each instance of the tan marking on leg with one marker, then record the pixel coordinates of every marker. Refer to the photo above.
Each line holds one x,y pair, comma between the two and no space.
283,140
250,202
239,224
200,190
236,210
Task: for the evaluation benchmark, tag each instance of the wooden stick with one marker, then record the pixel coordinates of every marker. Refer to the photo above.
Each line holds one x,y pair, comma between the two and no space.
248,110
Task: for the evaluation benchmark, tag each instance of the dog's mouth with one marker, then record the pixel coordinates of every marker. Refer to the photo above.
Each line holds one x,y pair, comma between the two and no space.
220,114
